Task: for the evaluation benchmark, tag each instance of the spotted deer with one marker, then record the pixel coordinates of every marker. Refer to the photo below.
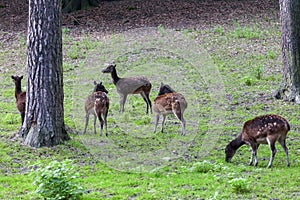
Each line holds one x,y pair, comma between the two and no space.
167,102
89,104
266,129
101,106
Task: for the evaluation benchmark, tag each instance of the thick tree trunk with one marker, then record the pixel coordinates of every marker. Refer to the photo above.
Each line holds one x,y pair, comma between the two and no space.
44,120
290,29
73,5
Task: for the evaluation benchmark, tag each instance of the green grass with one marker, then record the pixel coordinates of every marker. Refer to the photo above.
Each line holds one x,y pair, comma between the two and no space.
227,73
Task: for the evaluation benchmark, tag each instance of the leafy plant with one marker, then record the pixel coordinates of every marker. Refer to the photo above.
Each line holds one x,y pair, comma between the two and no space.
258,71
22,40
161,29
271,54
239,185
248,80
246,32
57,180
219,30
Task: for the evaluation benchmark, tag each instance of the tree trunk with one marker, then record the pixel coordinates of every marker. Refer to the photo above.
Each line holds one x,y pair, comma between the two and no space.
44,119
289,89
73,5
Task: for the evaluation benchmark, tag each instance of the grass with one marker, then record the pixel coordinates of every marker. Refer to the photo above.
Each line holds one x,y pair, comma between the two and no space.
227,74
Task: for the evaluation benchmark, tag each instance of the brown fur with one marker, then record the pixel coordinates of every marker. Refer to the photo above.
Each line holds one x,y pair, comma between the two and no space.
266,129
20,96
101,106
130,85
167,104
89,105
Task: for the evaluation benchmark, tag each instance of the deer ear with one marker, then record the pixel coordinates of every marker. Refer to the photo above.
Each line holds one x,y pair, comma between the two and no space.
12,77
21,77
100,83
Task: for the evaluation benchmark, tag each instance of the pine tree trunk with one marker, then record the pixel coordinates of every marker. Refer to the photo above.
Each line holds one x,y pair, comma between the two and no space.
290,30
44,120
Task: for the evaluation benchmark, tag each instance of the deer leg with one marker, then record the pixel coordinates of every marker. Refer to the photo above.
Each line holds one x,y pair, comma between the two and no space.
163,123
105,123
148,102
22,117
86,122
177,112
95,120
282,143
144,98
254,153
101,123
183,126
122,102
156,122
273,152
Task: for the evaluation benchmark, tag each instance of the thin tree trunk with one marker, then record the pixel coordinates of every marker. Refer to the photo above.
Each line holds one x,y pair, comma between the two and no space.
289,89
44,120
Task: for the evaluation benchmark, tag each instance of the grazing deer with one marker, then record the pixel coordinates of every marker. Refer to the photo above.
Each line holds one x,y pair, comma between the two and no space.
101,106
266,129
168,101
89,104
131,85
20,96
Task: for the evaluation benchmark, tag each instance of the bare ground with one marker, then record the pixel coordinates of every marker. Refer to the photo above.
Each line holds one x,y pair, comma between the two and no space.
116,16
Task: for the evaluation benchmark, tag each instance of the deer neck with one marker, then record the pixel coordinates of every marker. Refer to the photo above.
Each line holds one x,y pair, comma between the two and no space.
237,142
18,89
115,76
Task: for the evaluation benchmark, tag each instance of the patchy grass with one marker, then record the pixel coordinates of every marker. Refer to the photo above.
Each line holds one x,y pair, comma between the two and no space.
227,74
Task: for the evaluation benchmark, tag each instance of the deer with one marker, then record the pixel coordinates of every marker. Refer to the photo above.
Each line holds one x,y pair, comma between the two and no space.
89,104
130,85
20,96
265,129
101,106
167,102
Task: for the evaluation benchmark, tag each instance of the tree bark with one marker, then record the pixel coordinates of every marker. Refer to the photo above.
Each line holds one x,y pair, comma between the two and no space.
289,89
73,5
44,119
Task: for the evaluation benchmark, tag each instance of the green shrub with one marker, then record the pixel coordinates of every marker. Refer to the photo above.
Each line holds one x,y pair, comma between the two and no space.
206,166
57,180
239,185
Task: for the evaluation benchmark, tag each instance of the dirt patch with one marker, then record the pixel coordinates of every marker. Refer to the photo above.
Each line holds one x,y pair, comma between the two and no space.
129,14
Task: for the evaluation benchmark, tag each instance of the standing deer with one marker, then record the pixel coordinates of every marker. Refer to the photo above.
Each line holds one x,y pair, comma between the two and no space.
20,96
266,129
167,102
89,104
101,106
131,85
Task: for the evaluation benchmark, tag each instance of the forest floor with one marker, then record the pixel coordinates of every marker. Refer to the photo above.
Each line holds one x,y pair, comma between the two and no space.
118,16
